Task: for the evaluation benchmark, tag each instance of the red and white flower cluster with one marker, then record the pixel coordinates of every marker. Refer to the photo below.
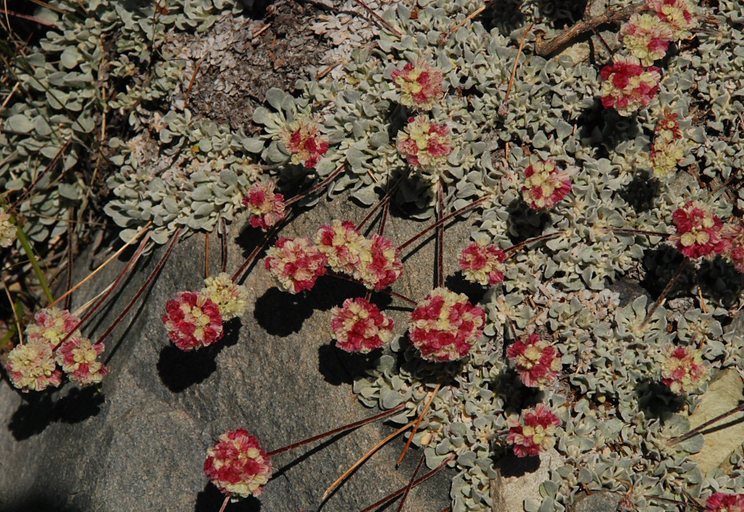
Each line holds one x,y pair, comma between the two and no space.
699,231
482,263
265,207
237,465
420,85
628,86
545,185
683,370
677,14
296,263
193,321
734,236
375,261
424,144
647,37
360,326
667,150
537,362
533,432
33,365
303,140
444,326
722,502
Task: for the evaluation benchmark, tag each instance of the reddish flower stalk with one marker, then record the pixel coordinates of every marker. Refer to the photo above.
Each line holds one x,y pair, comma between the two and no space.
238,275
440,236
444,220
410,483
518,247
416,425
339,430
119,278
388,292
381,203
142,288
639,232
319,186
394,495
704,425
665,292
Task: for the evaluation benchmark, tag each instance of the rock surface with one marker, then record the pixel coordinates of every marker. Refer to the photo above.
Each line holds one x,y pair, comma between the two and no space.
140,445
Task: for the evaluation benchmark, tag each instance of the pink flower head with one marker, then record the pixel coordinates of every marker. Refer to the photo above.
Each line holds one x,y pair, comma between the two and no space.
667,150
734,236
628,86
647,37
444,326
482,264
360,326
545,185
51,325
305,143
237,465
678,14
78,357
537,361
342,244
296,263
193,321
683,370
425,145
533,432
266,208
721,502
420,85
31,366
698,231
380,264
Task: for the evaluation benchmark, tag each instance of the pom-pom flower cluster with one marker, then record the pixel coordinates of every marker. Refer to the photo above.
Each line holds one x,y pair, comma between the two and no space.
482,263
627,86
646,37
723,502
424,144
297,263
537,362
683,370
360,326
265,207
533,432
193,321
677,14
420,85
734,237
545,185
230,298
444,326
33,366
668,149
237,465
699,231
303,140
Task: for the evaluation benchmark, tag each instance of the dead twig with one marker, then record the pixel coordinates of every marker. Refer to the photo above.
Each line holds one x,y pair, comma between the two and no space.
568,36
379,19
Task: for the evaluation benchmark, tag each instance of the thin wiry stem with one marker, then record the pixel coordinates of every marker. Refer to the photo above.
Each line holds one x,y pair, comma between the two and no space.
142,288
225,503
339,430
322,184
416,425
410,483
664,292
703,426
340,480
440,236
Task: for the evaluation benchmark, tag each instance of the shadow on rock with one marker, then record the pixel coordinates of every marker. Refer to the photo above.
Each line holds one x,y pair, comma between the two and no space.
281,313
657,400
512,466
340,367
38,504
458,284
524,222
179,370
39,411
210,500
